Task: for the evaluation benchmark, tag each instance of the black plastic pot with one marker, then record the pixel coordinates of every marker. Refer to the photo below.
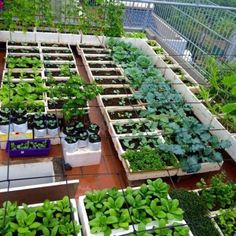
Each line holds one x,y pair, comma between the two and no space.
20,120
39,117
40,126
5,112
53,125
69,131
4,121
19,113
71,139
93,128
94,138
51,117
83,135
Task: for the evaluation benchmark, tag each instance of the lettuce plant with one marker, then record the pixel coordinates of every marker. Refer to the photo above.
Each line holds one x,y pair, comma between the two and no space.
110,209
49,219
227,222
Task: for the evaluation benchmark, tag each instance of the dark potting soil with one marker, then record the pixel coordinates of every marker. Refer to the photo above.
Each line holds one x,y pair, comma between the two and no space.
95,52
27,56
54,45
22,44
26,75
119,115
130,127
55,104
111,81
57,66
99,58
168,61
23,50
58,73
98,65
90,46
55,82
58,104
136,142
115,91
45,50
117,102
106,73
177,71
58,58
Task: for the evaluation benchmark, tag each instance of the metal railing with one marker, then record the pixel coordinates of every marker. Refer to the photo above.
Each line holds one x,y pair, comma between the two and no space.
194,29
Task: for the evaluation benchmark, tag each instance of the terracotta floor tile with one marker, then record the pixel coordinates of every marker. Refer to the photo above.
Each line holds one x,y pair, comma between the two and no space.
114,165
87,183
110,181
95,169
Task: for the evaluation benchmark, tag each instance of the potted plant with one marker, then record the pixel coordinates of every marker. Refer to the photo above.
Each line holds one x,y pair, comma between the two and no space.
69,130
51,116
19,112
70,144
40,129
93,129
5,112
94,142
83,139
20,124
28,148
53,128
38,116
5,125
79,127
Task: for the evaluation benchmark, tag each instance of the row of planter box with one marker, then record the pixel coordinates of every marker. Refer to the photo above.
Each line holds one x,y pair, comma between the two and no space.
49,37
199,109
110,81
89,57
54,69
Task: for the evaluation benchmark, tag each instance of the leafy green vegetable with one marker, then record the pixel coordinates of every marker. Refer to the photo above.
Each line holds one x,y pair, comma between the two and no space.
149,159
195,213
220,193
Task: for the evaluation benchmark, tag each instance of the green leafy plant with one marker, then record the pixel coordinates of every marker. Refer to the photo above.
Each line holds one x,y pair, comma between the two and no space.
149,159
195,213
77,92
110,209
220,193
227,222
51,218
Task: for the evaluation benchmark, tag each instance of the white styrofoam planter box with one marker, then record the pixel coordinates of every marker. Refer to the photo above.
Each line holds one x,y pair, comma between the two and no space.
115,232
148,174
5,35
82,157
20,36
53,132
6,128
69,38
94,146
47,37
82,143
70,147
93,39
40,133
205,168
22,128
